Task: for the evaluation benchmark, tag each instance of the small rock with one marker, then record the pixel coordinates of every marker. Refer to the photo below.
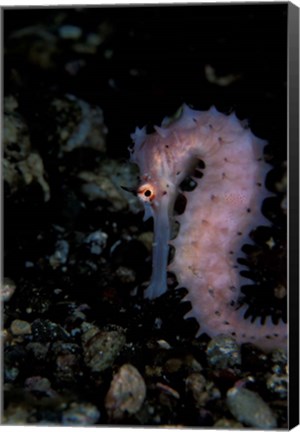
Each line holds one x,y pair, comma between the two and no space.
249,408
283,204
163,344
223,351
78,125
97,241
280,291
192,364
14,356
101,347
202,390
221,80
15,414
8,287
225,423
46,330
168,390
106,182
39,44
94,39
11,373
67,361
278,383
147,239
153,371
281,185
38,384
65,364
16,141
101,187
38,350
279,356
32,170
126,394
173,365
21,165
19,327
125,275
70,32
80,414
60,255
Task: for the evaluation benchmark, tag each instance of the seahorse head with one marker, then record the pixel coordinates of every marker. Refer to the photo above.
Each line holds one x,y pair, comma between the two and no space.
153,154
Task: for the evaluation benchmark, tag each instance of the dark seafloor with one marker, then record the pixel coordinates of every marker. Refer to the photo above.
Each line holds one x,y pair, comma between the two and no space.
80,344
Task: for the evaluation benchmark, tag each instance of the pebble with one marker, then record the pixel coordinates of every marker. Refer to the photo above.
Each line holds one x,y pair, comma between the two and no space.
106,184
21,165
46,330
80,414
173,365
223,352
163,344
39,350
225,423
60,255
125,275
126,394
94,39
192,364
78,125
147,239
168,390
70,32
221,80
15,359
15,415
101,347
66,365
97,241
283,204
8,287
249,408
67,361
38,384
279,356
19,327
201,389
11,373
16,141
278,383
100,186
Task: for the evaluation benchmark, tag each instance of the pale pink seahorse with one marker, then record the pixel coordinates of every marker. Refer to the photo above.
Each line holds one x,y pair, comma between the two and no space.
219,215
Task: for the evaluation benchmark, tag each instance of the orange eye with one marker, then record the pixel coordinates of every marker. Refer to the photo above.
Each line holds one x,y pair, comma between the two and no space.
146,192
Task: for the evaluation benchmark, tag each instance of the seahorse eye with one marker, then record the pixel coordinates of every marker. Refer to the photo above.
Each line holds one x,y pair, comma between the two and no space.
146,192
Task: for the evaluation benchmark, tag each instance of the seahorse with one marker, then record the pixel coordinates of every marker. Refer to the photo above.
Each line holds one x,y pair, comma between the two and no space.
219,215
